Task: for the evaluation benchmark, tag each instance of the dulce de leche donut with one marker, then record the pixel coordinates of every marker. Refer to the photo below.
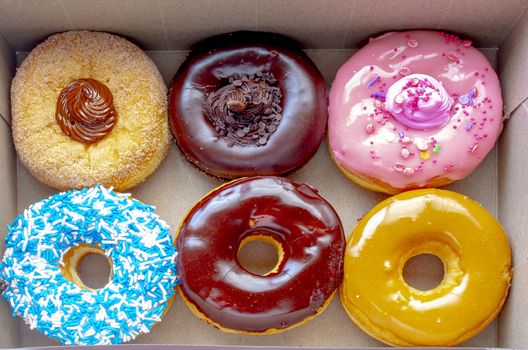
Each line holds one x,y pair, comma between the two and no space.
413,109
248,103
89,108
477,269
303,227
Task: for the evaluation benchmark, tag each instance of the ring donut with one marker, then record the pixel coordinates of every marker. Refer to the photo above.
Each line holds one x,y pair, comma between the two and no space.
306,232
89,108
246,104
47,242
468,240
413,109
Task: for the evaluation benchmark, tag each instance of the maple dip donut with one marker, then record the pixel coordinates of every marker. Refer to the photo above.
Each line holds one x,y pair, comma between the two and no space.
89,108
306,233
468,240
248,103
47,242
413,109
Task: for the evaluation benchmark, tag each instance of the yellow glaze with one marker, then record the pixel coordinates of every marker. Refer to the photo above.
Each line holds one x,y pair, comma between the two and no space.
472,246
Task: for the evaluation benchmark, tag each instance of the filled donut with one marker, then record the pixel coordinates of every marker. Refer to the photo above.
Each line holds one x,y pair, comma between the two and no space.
306,233
89,108
468,240
413,109
248,103
47,242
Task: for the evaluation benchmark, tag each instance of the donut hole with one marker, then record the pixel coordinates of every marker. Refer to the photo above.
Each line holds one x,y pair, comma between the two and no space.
424,271
260,254
87,267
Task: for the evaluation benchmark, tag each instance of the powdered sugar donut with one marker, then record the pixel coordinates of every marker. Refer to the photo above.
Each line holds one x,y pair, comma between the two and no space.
413,109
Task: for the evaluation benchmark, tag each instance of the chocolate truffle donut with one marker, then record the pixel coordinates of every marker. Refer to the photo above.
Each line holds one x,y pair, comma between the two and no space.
89,108
248,103
302,226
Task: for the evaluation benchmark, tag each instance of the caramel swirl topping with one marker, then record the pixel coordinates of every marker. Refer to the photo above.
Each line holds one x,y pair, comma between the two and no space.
247,110
85,110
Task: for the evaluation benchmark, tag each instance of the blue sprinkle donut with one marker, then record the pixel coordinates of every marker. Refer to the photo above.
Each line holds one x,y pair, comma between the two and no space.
45,244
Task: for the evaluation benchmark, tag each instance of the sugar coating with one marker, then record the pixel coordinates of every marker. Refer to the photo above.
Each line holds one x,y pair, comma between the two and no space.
140,139
132,236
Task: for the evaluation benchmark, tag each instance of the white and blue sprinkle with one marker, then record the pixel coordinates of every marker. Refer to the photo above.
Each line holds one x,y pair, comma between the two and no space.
136,240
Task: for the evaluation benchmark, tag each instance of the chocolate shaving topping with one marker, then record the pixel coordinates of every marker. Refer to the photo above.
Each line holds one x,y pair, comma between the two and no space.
247,110
85,110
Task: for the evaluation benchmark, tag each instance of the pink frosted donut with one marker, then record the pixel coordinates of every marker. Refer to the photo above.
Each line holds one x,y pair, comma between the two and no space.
413,109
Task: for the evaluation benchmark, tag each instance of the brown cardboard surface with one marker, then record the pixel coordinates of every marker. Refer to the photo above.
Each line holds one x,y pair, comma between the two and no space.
137,19
185,20
39,20
512,66
466,17
9,335
335,24
513,182
7,67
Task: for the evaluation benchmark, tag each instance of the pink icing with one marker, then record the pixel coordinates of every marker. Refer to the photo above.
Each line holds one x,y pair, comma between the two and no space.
445,137
419,101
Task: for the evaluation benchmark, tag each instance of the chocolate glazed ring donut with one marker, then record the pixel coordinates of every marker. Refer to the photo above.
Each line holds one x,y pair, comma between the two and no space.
302,226
248,103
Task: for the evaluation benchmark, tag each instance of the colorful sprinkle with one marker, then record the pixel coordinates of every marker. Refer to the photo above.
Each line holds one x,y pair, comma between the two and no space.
408,171
134,238
464,99
469,126
453,56
373,81
370,128
421,144
407,140
412,43
436,148
425,155
404,71
379,95
399,167
404,153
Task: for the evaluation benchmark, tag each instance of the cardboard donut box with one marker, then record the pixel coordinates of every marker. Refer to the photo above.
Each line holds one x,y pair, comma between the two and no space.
330,31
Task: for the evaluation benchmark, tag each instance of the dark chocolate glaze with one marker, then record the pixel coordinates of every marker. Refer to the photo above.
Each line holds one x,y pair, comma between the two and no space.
209,67
296,216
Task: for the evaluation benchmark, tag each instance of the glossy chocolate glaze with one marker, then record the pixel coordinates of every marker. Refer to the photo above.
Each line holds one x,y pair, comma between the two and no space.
209,67
85,110
306,226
